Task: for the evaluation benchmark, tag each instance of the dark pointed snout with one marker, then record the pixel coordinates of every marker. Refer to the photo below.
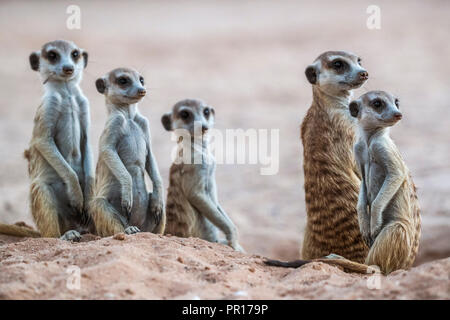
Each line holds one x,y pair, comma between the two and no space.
363,75
141,92
398,116
68,70
204,128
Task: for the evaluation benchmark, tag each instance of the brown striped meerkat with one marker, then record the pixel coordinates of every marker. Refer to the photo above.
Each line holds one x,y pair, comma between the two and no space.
388,208
121,202
59,157
192,206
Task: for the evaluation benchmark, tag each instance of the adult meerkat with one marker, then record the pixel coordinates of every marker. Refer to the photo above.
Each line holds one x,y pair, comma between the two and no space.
192,206
60,157
121,202
331,177
388,208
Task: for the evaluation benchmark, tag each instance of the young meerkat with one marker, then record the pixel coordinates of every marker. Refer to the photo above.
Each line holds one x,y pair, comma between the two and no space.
59,157
192,206
121,202
388,208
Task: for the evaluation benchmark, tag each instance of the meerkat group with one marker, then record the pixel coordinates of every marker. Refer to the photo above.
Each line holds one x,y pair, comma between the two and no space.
361,203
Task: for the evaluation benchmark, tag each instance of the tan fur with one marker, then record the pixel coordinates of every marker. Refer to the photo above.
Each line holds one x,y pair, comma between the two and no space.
331,184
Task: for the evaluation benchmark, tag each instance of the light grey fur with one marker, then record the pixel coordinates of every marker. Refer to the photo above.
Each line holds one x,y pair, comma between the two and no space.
121,202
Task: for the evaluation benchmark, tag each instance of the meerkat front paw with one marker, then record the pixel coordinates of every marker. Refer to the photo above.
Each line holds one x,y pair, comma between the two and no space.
156,208
127,202
132,230
71,235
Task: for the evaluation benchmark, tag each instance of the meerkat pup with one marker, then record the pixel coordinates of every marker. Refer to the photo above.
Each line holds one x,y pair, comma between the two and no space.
121,202
331,176
388,208
192,206
60,157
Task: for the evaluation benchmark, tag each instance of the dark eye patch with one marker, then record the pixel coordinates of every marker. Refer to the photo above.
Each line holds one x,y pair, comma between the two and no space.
52,56
141,80
377,104
397,103
123,81
75,55
340,66
185,115
206,112
359,61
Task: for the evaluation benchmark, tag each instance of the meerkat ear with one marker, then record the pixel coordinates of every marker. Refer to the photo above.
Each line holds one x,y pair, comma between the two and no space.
85,58
101,85
34,60
354,108
311,74
213,111
167,121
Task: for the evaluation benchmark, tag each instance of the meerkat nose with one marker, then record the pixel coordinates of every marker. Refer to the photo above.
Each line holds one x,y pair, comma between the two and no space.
363,75
142,92
398,116
68,69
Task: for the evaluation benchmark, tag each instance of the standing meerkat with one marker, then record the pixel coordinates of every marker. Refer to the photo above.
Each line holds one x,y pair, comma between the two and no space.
60,158
121,202
192,206
331,177
388,208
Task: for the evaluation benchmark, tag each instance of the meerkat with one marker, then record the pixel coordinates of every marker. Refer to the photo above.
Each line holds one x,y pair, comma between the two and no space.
121,202
192,206
60,156
388,208
332,179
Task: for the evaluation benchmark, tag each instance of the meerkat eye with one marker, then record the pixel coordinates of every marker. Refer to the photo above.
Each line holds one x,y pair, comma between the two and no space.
359,61
52,56
122,80
338,64
397,103
141,80
206,112
184,115
75,54
377,103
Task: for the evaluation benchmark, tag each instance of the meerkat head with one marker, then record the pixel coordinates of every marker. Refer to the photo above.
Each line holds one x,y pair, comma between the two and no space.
122,86
59,61
376,109
192,115
336,71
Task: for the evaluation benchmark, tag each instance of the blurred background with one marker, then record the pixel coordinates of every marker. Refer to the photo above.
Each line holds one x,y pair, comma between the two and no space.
245,58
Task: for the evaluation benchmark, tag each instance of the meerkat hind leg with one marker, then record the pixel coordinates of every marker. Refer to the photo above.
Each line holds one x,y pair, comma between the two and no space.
44,210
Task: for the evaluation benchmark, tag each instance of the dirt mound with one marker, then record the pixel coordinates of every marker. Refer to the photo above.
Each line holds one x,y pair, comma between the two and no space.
148,266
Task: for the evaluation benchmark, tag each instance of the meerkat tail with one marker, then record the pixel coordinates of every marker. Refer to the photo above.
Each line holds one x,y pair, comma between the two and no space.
18,231
345,264
105,218
286,264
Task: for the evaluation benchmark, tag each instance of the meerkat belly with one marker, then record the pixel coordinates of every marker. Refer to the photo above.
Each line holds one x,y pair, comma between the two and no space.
374,180
68,135
132,151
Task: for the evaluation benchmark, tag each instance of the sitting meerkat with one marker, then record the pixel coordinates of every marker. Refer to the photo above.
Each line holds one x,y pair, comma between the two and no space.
331,176
121,202
388,208
192,207
59,157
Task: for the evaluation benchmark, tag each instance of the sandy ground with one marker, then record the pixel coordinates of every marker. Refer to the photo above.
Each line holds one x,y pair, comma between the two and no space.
247,60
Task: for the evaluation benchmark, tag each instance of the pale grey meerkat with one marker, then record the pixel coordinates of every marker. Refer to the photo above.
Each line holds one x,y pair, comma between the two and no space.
388,208
332,178
60,157
121,201
192,207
